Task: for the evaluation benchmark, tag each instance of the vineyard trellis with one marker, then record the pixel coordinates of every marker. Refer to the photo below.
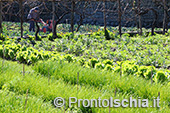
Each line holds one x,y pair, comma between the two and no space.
133,8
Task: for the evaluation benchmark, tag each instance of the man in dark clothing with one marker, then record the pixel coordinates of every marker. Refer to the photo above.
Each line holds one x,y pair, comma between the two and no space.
32,26
33,16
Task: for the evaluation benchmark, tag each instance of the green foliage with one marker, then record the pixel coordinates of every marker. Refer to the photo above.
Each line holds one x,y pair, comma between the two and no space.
160,77
68,58
99,66
107,36
43,91
82,61
39,38
2,37
11,102
69,35
151,71
92,62
142,70
108,67
31,38
26,54
99,62
50,36
109,62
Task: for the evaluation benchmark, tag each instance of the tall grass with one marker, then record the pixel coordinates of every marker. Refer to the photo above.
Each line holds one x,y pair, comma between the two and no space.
13,80
131,85
12,103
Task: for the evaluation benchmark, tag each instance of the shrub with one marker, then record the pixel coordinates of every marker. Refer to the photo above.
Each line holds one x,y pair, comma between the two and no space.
92,62
160,77
50,36
69,58
2,37
82,61
105,62
151,71
107,36
142,70
108,67
99,66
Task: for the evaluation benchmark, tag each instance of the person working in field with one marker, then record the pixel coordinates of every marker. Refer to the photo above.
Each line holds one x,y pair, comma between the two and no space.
33,17
47,26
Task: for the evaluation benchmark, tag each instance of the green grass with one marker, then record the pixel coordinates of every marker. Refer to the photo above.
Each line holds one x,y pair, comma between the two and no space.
131,85
13,80
13,103
47,80
14,28
150,50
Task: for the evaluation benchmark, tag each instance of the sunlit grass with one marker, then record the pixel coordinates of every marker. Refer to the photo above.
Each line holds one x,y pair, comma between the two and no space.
39,86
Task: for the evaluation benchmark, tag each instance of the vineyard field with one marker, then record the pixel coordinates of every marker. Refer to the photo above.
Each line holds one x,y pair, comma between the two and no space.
100,64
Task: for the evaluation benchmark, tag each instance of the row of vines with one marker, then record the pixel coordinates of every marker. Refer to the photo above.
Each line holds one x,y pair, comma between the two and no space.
135,9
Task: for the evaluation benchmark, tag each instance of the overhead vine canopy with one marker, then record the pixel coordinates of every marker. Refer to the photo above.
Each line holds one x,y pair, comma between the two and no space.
118,11
53,0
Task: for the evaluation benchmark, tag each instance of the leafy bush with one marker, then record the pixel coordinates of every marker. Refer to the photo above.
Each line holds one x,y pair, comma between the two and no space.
109,62
108,67
107,36
68,58
50,36
92,62
99,66
151,71
142,70
2,37
160,77
82,61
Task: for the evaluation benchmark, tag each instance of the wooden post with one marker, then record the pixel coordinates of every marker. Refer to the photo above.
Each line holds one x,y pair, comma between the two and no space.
1,18
159,94
151,79
64,105
48,76
164,20
26,99
151,76
115,91
120,70
23,69
135,19
77,80
53,20
72,16
104,14
119,18
140,21
21,16
159,98
38,30
77,83
109,107
3,58
154,22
